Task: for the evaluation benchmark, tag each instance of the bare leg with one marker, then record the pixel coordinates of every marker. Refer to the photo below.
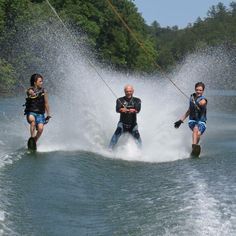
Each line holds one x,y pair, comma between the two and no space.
196,135
40,131
31,121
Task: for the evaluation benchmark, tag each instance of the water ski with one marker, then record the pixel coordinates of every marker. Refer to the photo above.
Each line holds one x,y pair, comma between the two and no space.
196,150
32,144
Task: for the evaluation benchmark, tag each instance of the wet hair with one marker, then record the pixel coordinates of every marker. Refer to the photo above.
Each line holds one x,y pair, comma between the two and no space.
34,78
200,84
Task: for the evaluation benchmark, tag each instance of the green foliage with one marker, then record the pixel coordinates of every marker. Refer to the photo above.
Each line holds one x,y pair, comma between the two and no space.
105,34
219,27
7,76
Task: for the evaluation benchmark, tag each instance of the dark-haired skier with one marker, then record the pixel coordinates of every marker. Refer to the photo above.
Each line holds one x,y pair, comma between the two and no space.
197,117
36,106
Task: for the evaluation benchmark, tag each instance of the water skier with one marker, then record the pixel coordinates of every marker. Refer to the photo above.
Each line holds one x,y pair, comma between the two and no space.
197,117
36,105
128,107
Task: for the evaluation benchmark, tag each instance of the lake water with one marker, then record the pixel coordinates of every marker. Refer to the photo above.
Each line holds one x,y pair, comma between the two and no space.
58,191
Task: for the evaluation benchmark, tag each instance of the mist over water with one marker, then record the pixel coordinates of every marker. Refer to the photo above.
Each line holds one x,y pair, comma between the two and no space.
83,108
84,116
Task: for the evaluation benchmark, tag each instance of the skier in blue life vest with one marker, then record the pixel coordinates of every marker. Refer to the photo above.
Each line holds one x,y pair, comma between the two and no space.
197,115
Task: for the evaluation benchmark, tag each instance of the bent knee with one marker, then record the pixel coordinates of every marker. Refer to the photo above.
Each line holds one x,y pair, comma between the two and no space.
136,134
32,123
195,129
118,131
30,119
40,127
197,132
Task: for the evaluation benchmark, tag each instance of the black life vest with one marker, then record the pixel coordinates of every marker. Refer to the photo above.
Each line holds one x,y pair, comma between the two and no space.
35,103
197,112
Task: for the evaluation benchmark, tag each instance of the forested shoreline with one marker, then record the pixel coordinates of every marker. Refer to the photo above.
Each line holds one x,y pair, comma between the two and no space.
107,36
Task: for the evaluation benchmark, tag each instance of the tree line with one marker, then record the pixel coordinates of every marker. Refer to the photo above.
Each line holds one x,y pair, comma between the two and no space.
107,36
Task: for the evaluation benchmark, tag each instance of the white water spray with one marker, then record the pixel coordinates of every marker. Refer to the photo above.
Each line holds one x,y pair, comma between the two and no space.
83,108
84,116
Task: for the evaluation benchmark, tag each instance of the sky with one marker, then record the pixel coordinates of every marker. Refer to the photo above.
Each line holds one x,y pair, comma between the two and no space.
175,12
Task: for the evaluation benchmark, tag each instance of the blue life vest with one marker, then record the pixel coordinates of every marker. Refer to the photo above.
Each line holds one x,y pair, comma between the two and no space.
197,112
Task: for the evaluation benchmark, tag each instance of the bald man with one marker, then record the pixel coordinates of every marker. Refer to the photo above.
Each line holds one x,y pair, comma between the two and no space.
128,107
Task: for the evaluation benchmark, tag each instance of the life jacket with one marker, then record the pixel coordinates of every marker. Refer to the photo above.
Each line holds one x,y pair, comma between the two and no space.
35,103
197,112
